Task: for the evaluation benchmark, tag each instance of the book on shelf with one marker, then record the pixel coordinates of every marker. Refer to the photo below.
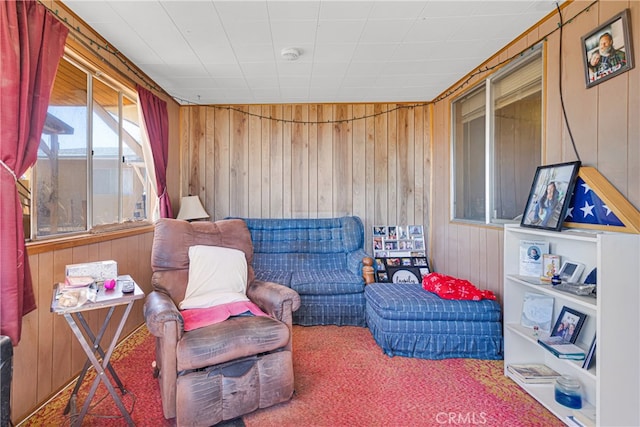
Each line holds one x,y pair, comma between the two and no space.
561,348
590,357
533,373
585,416
571,421
531,252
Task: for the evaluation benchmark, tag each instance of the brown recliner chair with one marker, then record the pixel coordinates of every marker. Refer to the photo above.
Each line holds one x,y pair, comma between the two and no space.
227,369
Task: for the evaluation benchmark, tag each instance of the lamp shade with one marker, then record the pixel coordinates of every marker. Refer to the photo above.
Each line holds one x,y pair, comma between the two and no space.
191,208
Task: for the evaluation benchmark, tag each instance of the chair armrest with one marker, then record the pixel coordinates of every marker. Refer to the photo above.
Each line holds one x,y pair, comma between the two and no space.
274,299
159,309
354,261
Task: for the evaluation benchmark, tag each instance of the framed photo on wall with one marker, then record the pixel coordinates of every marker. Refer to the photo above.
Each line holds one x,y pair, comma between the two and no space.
550,195
607,50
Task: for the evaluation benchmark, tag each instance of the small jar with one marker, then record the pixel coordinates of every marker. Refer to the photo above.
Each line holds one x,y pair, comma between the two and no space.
568,392
556,280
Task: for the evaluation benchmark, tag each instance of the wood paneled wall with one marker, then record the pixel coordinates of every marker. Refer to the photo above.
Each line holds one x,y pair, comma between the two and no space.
309,161
603,120
48,356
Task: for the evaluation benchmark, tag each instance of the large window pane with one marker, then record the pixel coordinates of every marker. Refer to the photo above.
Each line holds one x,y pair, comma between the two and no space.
60,171
517,137
469,157
134,173
106,154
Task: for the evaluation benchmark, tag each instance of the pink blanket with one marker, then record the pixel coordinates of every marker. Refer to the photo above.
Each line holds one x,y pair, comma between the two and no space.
195,318
448,287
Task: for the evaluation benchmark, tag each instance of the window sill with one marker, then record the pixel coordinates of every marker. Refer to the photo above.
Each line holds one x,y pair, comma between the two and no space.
492,225
97,235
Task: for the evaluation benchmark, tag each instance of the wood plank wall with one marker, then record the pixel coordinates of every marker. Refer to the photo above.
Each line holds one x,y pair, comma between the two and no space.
309,161
603,120
48,356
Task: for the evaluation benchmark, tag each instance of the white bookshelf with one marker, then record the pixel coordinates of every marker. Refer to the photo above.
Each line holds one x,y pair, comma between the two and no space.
613,385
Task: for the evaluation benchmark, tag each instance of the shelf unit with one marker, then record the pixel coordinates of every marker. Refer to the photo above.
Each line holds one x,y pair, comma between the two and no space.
613,385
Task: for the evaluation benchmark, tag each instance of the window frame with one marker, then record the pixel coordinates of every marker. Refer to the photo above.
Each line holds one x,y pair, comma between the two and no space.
124,92
535,53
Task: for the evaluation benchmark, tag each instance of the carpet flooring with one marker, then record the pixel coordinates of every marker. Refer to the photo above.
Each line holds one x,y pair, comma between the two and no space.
342,378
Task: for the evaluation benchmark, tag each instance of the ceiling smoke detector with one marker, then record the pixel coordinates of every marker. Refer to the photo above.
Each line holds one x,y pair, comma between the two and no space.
290,53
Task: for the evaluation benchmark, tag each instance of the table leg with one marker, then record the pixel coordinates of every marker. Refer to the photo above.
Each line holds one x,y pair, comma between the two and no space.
96,347
100,368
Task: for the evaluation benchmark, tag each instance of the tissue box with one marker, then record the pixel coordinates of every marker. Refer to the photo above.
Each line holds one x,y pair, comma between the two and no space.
100,271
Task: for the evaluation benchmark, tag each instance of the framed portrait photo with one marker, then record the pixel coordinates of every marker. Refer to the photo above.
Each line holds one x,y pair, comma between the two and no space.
607,50
568,324
550,195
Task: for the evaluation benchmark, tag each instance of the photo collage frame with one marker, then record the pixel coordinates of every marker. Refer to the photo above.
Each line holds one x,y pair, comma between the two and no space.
400,254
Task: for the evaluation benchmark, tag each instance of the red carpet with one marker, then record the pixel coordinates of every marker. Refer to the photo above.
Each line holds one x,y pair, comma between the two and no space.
342,379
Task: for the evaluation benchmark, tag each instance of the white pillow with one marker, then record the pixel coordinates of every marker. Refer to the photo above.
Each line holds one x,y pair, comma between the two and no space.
216,276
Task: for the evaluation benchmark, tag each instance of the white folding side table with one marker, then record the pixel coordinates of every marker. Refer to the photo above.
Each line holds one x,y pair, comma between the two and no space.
91,343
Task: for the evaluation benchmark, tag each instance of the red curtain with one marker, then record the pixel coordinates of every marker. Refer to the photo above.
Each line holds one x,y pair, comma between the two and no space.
156,120
31,45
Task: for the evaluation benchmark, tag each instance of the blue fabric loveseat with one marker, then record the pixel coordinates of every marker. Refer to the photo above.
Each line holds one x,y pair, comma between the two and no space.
321,259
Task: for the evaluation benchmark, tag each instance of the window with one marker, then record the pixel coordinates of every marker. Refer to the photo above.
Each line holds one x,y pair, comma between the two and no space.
90,169
497,143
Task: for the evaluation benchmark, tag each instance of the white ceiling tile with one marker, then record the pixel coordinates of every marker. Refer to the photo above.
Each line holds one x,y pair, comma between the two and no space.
334,53
330,68
294,67
337,10
246,32
259,81
361,81
222,70
385,31
293,10
294,81
264,94
397,9
435,29
325,81
254,52
259,68
242,10
290,33
343,31
457,8
364,68
370,52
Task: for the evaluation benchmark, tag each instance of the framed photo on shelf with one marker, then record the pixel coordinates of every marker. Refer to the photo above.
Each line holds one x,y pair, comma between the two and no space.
550,266
568,324
607,50
550,195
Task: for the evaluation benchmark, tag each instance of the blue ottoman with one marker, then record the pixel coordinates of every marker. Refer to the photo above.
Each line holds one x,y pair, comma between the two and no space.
406,320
